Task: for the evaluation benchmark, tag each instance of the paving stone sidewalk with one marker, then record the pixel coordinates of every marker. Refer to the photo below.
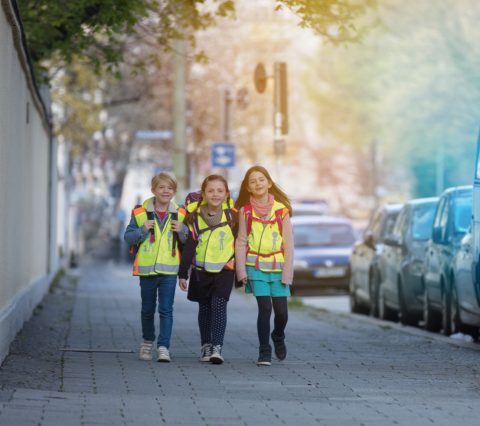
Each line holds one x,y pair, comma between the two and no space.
75,363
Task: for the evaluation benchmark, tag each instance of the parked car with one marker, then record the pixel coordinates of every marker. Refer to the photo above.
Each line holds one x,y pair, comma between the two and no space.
452,219
401,263
309,207
323,245
363,261
461,302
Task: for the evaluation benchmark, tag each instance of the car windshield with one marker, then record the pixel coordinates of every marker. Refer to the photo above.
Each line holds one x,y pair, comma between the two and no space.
388,224
323,234
422,221
462,214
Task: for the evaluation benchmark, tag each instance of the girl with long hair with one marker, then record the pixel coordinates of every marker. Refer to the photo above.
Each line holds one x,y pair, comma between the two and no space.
264,256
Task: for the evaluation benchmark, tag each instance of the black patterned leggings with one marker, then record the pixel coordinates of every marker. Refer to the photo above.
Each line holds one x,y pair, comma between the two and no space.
212,320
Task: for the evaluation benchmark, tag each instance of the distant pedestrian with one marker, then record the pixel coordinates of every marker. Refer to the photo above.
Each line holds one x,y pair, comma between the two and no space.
264,256
209,250
153,232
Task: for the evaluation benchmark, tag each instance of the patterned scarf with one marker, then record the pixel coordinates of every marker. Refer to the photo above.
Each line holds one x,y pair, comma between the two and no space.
262,210
210,220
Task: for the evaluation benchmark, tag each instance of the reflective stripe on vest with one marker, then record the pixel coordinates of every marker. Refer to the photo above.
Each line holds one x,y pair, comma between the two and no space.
265,243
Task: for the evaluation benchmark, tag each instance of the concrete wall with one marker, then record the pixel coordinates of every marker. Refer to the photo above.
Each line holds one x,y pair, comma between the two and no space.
27,245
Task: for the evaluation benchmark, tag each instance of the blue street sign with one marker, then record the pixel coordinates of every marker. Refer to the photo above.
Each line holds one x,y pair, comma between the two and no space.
153,135
223,155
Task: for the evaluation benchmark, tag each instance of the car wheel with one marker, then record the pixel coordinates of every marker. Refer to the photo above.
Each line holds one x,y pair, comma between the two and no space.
355,306
431,319
373,290
384,311
406,317
455,311
447,326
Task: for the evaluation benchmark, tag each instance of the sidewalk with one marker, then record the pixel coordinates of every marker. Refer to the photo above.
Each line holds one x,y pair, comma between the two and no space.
76,363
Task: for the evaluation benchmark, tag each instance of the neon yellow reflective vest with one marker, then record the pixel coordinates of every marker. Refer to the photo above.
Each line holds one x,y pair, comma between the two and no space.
215,245
159,256
265,242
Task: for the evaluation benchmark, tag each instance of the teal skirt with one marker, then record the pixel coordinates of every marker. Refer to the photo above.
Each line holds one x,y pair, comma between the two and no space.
262,283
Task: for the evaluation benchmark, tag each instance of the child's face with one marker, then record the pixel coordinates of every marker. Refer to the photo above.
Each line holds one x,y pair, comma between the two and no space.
164,191
215,193
258,184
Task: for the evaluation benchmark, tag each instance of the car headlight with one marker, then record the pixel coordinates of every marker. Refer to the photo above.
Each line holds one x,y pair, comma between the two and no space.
300,264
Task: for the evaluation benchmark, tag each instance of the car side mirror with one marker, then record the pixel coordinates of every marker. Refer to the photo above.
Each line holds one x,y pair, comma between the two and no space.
368,240
390,240
437,235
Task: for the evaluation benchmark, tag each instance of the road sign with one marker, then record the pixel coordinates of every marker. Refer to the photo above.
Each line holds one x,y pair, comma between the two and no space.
153,135
223,155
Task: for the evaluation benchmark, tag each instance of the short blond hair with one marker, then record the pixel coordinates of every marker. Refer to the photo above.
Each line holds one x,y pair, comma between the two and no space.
166,177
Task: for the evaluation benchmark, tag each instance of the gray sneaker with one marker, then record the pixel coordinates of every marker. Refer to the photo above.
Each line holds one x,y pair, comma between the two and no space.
162,354
206,352
145,353
216,357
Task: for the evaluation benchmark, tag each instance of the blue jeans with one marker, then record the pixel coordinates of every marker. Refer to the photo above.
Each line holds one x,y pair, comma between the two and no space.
163,286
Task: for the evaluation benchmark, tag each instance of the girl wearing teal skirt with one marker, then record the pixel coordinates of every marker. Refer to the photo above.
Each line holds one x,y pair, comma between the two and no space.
264,256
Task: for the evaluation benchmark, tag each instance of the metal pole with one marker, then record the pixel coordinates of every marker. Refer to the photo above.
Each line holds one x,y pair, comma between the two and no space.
225,120
179,120
374,174
277,120
225,124
440,169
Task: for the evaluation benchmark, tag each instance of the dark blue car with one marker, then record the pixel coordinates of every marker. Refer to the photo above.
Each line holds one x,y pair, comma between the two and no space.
323,246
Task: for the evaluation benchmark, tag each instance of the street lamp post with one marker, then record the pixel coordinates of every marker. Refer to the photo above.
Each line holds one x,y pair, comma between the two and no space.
280,106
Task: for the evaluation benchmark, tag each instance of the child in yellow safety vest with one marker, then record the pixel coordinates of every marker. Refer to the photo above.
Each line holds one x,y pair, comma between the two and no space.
264,256
154,230
209,252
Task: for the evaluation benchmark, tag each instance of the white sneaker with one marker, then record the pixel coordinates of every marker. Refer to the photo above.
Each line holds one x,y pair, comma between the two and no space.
206,352
162,354
146,351
216,357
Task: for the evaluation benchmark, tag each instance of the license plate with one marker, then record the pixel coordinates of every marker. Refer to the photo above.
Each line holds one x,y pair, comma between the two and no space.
329,272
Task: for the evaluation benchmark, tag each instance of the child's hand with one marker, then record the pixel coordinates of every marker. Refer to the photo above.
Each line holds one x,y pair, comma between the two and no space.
176,226
182,282
148,224
244,281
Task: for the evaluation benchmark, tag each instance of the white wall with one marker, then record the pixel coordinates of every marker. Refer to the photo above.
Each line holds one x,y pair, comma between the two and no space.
27,257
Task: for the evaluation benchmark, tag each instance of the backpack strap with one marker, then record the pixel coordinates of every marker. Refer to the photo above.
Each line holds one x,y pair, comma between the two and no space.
196,231
174,216
133,248
248,212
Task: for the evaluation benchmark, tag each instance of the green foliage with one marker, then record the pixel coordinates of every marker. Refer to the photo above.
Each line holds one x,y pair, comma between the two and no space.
336,20
98,30
76,94
92,29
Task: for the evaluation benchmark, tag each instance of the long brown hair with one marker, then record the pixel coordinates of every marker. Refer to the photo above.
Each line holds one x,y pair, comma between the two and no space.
244,195
210,178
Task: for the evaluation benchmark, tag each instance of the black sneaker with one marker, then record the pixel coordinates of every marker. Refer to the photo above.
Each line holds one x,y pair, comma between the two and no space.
216,357
265,356
280,348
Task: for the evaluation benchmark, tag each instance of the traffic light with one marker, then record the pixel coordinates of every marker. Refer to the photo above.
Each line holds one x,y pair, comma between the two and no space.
281,97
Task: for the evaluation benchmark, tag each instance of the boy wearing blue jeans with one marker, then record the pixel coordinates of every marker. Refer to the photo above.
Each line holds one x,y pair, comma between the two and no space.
154,230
